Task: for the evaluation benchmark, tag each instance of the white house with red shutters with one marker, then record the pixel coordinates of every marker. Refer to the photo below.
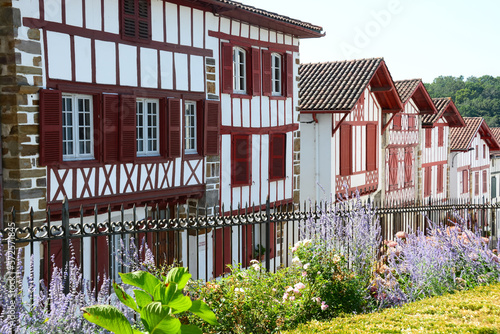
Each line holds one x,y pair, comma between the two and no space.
401,142
470,149
495,169
128,102
435,148
345,110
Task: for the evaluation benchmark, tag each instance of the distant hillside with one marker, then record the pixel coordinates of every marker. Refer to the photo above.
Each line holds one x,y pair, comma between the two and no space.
473,96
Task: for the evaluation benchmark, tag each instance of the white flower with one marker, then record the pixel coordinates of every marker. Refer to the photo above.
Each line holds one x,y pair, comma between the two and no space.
256,267
299,286
239,290
296,261
306,266
254,261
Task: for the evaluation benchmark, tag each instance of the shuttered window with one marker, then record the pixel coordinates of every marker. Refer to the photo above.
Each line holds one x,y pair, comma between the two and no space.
241,160
485,181
147,127
239,71
476,183
440,180
465,181
266,73
440,136
393,169
371,147
77,127
396,122
428,137
412,124
345,150
136,19
276,73
408,167
427,181
277,156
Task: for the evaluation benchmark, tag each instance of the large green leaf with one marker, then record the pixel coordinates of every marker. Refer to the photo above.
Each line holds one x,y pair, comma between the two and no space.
190,329
165,293
158,320
203,311
124,297
108,317
142,298
141,279
180,303
179,275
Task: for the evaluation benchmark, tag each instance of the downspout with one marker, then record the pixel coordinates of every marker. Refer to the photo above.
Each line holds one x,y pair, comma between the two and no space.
316,133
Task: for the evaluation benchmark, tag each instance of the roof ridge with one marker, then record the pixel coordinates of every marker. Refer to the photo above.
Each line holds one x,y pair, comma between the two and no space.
342,61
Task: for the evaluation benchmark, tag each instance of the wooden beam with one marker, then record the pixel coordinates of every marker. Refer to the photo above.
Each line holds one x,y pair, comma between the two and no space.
381,89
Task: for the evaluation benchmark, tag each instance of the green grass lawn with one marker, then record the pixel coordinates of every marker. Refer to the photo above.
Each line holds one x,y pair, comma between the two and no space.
473,311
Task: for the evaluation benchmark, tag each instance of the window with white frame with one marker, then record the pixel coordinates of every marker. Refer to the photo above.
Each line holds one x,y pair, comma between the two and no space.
190,128
276,67
77,128
239,69
147,132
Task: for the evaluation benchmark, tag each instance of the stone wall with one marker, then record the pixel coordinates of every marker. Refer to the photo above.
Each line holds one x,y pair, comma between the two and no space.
21,76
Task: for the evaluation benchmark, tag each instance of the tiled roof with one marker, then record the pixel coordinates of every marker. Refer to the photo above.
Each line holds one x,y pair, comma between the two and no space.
441,104
445,108
274,16
496,133
406,88
335,86
461,137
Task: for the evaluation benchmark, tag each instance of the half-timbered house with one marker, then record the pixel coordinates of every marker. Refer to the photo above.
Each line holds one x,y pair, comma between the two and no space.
401,142
469,159
110,102
434,148
495,169
345,109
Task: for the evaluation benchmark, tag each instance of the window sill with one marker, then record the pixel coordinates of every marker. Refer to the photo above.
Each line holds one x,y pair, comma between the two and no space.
192,156
241,96
273,179
238,185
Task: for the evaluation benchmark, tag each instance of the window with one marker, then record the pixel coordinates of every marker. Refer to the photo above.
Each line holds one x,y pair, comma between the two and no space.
485,181
276,68
77,134
147,130
440,136
412,122
241,160
239,71
477,152
493,187
136,19
428,137
465,181
190,128
277,156
484,151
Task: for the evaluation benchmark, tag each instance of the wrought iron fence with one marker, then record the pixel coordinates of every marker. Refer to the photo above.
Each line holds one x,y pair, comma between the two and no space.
207,244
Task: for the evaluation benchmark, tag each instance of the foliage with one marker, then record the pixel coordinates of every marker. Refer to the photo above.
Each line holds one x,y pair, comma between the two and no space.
473,96
448,258
473,311
159,303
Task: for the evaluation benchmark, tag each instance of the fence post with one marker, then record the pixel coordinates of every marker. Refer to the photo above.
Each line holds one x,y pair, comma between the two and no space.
65,243
268,234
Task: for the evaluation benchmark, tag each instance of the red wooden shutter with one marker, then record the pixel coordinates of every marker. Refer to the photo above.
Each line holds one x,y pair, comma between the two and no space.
98,133
111,123
485,181
127,128
408,166
411,122
477,152
484,151
440,179
163,128
396,122
393,169
428,181
371,147
174,128
50,126
212,127
476,185
277,156
428,137
227,68
266,73
240,160
200,127
345,150
289,75
440,136
255,71
465,181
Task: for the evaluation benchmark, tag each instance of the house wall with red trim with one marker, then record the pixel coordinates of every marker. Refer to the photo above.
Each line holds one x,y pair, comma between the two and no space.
470,172
401,150
434,152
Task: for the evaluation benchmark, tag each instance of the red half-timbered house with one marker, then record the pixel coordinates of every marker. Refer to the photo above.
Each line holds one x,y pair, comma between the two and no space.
435,148
150,101
345,109
401,142
470,149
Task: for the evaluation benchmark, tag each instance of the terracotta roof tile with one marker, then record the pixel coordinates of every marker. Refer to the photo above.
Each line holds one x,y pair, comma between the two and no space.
461,137
496,133
272,15
335,86
406,88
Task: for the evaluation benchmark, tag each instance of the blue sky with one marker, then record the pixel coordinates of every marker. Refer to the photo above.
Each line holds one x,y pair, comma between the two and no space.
417,38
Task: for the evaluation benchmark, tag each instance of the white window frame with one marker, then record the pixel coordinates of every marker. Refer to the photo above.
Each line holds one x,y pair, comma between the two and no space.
276,73
78,138
190,123
239,70
147,128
